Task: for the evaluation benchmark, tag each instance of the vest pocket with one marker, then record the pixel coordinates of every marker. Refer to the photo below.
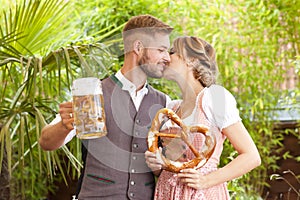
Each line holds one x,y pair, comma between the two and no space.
150,184
101,179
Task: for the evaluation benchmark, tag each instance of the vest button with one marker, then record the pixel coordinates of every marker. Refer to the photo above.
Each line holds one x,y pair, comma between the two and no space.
138,121
131,194
132,183
135,145
133,171
134,157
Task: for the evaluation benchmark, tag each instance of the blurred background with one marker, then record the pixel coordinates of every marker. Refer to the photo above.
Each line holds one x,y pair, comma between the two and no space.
45,45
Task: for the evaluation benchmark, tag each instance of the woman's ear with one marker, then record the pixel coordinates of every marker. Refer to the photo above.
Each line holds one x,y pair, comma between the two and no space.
138,47
191,62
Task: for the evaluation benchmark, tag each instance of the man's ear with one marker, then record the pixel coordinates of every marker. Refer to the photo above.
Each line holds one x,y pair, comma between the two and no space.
138,47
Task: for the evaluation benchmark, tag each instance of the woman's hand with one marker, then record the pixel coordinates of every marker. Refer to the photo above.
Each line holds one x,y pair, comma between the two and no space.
193,179
153,163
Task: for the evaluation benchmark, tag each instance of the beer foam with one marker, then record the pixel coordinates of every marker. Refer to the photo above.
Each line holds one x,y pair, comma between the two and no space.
86,86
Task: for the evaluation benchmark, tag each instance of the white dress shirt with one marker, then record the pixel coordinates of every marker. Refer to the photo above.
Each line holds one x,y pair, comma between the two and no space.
136,96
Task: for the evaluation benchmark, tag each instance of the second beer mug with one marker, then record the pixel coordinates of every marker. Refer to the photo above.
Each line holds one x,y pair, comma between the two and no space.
88,107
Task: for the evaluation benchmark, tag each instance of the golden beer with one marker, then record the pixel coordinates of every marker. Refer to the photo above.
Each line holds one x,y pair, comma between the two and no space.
88,108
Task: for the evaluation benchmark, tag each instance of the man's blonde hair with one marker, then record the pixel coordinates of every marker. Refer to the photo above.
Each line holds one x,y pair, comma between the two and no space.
142,26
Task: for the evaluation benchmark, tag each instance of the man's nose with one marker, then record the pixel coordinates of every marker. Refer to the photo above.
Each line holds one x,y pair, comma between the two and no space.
167,57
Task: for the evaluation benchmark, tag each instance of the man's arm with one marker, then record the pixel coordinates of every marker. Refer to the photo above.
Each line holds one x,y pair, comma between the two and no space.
53,135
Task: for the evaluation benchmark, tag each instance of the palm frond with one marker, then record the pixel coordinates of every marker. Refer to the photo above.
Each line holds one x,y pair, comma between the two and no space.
42,25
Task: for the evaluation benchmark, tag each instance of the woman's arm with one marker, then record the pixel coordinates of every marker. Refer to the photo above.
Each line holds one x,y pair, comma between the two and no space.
248,158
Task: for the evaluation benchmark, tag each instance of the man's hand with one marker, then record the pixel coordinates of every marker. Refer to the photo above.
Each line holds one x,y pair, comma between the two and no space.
66,114
153,163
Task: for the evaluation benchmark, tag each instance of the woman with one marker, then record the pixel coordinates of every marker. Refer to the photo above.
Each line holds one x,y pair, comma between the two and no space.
193,67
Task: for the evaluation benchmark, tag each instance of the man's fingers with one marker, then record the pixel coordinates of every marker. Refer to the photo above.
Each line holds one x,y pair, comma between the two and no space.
67,115
68,123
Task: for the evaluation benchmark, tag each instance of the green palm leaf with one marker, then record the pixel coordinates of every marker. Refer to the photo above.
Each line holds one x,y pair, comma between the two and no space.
37,67
42,25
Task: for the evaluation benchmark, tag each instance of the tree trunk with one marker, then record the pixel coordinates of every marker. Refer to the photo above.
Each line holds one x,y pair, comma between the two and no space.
4,177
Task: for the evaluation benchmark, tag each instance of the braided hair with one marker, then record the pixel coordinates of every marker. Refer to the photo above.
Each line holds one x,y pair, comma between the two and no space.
199,55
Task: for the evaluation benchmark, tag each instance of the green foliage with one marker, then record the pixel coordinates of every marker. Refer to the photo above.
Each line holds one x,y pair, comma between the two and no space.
293,187
256,43
36,77
39,24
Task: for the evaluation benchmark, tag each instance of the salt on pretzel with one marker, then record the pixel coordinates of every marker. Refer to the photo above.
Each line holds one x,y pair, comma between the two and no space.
175,166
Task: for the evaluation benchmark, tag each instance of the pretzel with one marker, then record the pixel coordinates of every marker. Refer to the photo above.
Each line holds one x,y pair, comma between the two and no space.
175,166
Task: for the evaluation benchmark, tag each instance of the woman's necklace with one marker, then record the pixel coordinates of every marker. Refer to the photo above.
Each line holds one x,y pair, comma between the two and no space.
177,109
183,112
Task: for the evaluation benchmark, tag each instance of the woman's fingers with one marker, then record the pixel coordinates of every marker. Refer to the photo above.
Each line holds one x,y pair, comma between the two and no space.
193,178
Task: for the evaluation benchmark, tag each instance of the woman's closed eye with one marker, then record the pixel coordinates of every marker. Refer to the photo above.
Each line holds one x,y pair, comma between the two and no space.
172,51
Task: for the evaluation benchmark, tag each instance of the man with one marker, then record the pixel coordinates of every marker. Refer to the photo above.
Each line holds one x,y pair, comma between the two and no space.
114,165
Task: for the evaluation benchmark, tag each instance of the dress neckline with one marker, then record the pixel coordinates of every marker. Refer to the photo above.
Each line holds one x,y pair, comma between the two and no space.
195,106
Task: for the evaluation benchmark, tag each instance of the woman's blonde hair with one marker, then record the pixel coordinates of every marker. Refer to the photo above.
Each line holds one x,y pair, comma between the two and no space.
200,55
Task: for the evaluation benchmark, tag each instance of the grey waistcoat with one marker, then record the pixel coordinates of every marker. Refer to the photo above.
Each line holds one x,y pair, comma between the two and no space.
115,167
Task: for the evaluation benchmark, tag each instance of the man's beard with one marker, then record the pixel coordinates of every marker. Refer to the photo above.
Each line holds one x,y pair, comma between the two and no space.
148,68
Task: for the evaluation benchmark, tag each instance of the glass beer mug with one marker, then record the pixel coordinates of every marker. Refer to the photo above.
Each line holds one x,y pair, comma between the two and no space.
88,108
